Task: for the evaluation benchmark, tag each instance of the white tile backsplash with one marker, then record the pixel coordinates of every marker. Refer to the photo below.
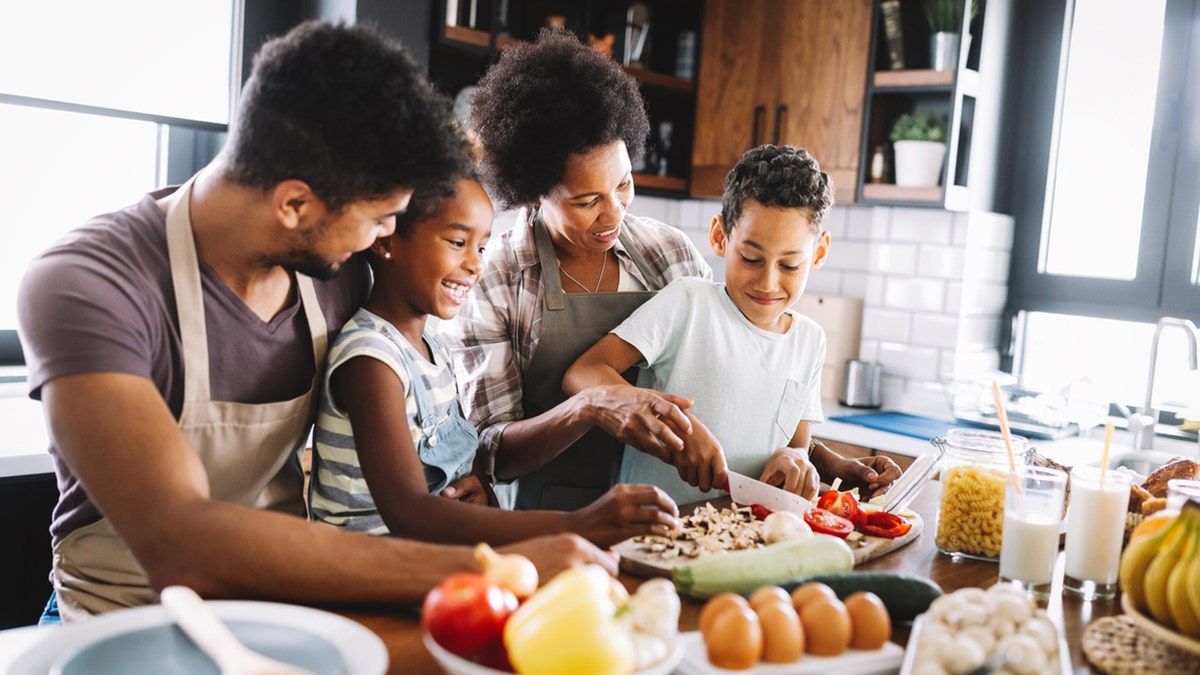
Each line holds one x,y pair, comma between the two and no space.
835,222
825,282
889,258
935,330
921,225
854,285
866,224
945,262
886,324
927,295
849,255
909,360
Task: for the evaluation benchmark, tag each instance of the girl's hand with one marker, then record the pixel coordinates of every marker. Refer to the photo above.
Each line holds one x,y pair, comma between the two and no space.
791,470
625,511
467,489
871,475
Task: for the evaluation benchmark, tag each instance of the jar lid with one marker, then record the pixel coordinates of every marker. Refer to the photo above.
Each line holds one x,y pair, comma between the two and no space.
985,441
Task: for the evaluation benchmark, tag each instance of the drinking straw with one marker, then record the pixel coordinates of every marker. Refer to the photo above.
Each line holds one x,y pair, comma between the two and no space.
1003,419
1108,429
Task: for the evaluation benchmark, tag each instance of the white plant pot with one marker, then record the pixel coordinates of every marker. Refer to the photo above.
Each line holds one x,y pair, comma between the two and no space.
919,163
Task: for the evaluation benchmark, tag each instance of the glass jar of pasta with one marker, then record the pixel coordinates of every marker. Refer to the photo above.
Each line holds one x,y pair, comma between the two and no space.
974,468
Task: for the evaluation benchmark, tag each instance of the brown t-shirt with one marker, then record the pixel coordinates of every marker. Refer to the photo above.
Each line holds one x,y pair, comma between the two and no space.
102,300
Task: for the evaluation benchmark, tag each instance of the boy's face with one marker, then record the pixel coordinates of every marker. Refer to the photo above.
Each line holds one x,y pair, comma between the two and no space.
768,257
434,267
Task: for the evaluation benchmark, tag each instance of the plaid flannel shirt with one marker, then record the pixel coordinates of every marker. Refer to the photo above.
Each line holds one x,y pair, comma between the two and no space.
497,328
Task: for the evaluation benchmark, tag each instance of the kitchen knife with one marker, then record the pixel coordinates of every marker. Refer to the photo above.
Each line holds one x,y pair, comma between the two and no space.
745,490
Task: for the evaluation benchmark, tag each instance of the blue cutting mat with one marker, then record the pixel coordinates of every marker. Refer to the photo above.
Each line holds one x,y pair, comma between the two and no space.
925,428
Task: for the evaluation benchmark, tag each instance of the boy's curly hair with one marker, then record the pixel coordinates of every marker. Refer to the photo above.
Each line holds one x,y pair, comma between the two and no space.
346,111
780,176
545,101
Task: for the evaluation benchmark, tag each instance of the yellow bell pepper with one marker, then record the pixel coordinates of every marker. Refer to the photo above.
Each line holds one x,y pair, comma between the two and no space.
570,626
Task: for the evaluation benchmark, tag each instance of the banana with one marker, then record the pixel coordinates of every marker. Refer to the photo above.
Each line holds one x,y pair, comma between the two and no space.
1135,561
1159,571
1178,601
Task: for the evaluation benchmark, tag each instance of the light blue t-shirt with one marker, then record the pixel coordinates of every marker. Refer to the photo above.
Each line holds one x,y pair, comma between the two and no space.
751,387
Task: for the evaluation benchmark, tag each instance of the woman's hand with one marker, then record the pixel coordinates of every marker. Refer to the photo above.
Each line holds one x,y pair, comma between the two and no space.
626,511
871,475
554,553
651,421
467,489
702,461
791,470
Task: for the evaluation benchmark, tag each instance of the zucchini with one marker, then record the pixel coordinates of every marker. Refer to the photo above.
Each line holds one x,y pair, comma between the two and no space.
744,571
905,595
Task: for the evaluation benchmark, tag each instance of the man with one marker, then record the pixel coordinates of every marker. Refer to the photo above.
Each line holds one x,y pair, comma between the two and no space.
175,344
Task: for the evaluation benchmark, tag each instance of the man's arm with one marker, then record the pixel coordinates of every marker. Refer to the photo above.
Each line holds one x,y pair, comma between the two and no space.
125,446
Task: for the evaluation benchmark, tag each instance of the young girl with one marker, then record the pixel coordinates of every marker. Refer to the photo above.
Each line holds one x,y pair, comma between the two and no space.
415,474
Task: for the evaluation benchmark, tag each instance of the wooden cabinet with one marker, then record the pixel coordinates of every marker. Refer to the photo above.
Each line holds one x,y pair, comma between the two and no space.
467,40
781,71
968,96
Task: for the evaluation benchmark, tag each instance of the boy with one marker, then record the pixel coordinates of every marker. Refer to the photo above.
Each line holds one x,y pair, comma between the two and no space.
751,364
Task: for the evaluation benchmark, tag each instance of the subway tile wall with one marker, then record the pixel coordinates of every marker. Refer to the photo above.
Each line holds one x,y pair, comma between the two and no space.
933,285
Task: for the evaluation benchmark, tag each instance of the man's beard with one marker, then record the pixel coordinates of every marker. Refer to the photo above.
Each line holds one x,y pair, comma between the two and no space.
310,264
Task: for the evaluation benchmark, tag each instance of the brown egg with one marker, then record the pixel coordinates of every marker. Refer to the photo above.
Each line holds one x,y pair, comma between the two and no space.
783,638
734,638
716,603
871,625
813,590
827,628
766,594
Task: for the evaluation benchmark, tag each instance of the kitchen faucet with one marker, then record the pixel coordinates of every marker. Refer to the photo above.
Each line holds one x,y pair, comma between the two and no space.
1142,425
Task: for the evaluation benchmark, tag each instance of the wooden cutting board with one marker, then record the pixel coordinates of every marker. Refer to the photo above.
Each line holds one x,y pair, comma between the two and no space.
643,564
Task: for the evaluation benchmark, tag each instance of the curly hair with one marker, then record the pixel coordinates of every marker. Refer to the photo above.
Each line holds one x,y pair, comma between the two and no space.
781,176
346,111
544,102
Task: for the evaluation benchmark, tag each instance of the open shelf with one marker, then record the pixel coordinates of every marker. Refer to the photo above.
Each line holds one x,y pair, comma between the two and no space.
656,182
654,78
476,38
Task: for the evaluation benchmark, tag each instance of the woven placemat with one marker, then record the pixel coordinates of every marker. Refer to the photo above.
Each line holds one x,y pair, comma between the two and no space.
1116,646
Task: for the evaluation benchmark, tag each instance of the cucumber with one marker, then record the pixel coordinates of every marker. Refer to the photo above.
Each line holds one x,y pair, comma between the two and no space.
744,571
905,595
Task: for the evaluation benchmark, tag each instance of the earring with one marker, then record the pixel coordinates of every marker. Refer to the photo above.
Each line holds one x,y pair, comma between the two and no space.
387,255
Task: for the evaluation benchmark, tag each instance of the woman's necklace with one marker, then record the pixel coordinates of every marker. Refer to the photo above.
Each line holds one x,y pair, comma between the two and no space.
567,274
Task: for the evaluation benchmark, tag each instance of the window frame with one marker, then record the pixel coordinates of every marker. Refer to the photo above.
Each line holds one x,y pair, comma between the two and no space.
1162,285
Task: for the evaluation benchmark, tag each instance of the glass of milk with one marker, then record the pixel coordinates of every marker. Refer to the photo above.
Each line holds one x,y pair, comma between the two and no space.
1033,516
1095,528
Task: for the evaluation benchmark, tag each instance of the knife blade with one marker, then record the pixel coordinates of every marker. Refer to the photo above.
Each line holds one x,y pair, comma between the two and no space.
745,490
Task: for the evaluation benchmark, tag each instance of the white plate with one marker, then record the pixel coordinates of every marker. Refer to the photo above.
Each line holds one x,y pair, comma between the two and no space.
883,661
362,652
457,665
910,653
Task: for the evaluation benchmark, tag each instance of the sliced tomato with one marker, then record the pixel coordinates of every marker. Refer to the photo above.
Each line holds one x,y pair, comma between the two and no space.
759,511
824,522
884,524
843,504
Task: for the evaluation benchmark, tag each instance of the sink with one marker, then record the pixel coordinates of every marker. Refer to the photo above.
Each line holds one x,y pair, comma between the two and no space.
1141,462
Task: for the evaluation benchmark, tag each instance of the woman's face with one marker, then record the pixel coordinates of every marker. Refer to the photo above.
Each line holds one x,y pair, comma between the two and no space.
583,213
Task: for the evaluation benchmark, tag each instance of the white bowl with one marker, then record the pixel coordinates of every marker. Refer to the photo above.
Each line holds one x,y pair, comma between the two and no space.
457,665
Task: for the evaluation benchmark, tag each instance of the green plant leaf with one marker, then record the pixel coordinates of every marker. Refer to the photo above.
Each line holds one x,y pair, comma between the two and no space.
921,125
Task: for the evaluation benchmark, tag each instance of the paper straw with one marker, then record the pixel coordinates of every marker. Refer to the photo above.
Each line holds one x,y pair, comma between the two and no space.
1108,429
1003,419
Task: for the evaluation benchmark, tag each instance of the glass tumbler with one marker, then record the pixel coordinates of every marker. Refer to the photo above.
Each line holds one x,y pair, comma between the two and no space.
1095,530
1033,516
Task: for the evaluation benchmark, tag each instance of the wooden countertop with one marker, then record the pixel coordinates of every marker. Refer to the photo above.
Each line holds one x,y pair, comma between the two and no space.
401,632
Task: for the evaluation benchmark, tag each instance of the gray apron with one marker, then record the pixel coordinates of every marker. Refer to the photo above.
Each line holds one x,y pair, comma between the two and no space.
250,452
572,323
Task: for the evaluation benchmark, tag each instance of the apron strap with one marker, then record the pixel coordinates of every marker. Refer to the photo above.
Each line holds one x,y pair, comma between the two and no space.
551,283
317,327
189,295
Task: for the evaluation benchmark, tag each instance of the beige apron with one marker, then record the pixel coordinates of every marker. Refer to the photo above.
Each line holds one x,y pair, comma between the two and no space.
251,452
571,323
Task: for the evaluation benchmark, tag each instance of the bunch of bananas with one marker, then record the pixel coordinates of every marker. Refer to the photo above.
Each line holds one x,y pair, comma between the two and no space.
1160,572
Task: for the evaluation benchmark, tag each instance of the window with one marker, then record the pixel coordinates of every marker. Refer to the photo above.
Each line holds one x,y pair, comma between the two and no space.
98,110
1107,243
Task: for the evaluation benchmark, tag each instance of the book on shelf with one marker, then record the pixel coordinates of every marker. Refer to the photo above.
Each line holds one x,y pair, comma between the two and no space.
893,33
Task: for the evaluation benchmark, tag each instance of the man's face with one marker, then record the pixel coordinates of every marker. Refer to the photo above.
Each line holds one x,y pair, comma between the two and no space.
325,245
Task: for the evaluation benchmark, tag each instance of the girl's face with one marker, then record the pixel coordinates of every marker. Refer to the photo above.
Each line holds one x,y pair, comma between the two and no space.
768,257
583,213
440,260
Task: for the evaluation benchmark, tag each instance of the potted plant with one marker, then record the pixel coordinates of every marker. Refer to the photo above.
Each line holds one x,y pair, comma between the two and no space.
945,21
919,141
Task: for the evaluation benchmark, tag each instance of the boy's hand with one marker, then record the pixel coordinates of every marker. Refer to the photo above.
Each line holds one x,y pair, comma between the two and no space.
702,461
467,489
625,511
791,470
871,475
651,421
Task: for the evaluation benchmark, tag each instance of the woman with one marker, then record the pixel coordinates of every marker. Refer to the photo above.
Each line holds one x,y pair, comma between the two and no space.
558,124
